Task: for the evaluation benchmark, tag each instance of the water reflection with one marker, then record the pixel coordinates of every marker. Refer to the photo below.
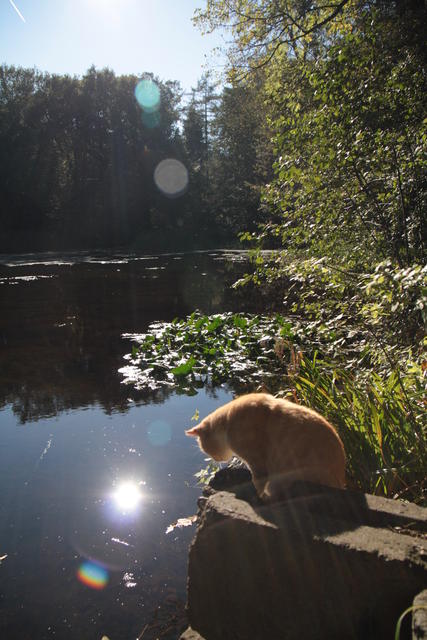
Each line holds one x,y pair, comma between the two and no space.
159,433
72,435
61,335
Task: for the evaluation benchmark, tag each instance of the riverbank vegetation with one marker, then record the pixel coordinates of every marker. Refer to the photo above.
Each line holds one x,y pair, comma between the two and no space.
344,88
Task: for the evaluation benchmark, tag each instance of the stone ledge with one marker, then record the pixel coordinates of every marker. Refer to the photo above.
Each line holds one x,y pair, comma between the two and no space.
190,634
419,617
325,563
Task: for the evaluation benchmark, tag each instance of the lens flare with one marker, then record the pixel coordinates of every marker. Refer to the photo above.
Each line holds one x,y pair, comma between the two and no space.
159,433
92,575
151,120
171,177
147,94
127,496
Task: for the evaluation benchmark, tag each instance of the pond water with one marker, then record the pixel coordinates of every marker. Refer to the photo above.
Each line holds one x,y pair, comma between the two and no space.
92,472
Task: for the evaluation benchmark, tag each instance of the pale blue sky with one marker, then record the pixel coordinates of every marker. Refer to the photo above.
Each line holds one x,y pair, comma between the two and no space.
128,36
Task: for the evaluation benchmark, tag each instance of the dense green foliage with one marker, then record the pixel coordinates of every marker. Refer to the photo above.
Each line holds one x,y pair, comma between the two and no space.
344,88
351,137
78,158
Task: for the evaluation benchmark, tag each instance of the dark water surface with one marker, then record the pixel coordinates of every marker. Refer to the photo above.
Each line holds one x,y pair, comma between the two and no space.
71,434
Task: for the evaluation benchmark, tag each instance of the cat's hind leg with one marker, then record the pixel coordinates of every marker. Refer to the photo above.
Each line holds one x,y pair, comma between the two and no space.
261,483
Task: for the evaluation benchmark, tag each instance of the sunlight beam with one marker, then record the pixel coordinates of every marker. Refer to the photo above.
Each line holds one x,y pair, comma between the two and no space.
17,10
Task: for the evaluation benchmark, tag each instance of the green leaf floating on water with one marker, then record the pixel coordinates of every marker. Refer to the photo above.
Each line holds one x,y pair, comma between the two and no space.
185,368
240,321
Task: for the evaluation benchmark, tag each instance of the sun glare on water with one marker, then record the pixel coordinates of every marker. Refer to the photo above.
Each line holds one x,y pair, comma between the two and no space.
127,496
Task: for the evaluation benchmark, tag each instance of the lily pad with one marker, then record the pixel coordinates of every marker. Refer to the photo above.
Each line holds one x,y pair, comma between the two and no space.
222,348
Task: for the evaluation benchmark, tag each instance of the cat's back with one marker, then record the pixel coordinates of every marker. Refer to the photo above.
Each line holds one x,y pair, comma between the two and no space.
263,408
281,420
254,404
284,435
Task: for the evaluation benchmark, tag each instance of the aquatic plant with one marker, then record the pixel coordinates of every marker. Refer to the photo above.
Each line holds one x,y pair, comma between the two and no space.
233,348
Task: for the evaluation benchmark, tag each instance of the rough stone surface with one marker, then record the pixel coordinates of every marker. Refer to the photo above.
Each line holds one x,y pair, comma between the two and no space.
325,563
419,616
190,634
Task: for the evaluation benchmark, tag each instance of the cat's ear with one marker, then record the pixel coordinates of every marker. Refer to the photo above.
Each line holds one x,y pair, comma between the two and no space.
194,431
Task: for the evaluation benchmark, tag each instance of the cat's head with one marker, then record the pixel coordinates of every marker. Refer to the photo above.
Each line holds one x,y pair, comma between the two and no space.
212,439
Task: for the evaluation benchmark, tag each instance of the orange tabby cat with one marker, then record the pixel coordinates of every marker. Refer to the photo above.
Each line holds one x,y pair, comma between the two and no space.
280,441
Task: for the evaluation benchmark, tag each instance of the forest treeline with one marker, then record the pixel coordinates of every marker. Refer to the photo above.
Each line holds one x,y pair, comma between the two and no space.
78,158
320,126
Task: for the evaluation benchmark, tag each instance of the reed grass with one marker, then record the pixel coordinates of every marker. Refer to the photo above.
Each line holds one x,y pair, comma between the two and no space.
380,418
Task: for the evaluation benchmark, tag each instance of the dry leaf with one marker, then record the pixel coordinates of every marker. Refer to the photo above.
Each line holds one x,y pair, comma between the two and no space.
181,522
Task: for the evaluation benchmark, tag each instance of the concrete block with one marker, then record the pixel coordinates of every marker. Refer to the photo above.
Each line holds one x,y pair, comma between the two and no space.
325,563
